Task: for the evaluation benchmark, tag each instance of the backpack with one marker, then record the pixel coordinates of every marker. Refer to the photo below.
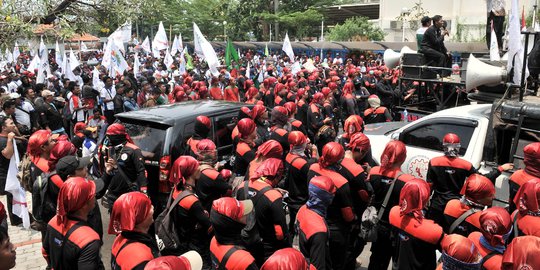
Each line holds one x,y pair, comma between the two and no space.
39,193
166,232
250,234
24,174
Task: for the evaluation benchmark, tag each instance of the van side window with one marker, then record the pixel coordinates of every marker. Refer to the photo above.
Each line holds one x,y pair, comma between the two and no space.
430,136
224,126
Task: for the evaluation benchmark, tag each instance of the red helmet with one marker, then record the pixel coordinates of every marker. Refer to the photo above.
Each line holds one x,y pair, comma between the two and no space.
451,138
297,138
332,153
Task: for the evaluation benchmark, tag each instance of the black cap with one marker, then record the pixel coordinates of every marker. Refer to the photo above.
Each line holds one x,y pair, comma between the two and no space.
68,164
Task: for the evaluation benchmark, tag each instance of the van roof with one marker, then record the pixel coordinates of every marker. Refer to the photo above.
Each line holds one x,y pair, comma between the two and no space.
476,110
170,113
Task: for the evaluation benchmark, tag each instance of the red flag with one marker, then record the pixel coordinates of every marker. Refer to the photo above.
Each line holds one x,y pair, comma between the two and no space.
523,24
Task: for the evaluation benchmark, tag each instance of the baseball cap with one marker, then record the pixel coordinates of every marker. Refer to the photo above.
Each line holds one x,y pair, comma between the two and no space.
14,95
46,93
68,164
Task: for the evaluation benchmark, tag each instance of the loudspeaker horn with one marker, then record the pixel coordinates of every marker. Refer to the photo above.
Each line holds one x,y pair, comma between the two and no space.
480,73
391,58
405,50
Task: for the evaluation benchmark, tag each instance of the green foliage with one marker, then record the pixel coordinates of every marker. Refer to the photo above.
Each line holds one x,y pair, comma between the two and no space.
356,28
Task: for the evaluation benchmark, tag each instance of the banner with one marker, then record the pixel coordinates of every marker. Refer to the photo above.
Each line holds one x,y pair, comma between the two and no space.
117,59
204,48
13,186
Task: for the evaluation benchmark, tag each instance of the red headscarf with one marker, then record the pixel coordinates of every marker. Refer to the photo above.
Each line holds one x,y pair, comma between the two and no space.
257,112
527,199
73,195
182,168
532,159
285,259
296,138
270,149
79,126
460,248
232,208
300,93
272,167
317,98
3,215
359,141
495,223
353,124
325,91
60,150
36,140
478,187
394,154
129,210
251,93
190,260
246,126
348,89
118,129
332,153
291,107
522,254
413,198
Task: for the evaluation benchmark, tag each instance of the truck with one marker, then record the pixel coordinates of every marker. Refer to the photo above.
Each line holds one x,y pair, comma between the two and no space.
491,134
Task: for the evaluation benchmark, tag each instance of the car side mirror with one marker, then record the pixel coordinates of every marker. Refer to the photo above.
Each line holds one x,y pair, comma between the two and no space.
395,136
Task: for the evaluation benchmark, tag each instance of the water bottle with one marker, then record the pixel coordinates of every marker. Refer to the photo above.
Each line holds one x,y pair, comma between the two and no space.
405,115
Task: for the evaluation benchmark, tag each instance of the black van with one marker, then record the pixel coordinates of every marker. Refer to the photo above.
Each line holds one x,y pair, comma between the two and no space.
162,132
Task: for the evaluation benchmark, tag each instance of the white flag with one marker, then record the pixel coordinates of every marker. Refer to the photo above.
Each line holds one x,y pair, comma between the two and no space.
493,46
83,47
16,52
117,59
69,71
146,45
206,50
34,64
96,82
160,40
136,65
31,49
14,187
287,48
9,56
261,75
515,47
58,55
182,65
121,35
73,61
168,61
44,68
248,72
106,61
180,43
64,62
174,48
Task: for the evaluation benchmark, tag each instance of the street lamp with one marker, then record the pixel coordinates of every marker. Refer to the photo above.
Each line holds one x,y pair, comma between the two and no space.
225,30
404,13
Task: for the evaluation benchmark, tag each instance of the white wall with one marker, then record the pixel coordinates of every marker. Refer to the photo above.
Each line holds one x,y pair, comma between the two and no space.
470,14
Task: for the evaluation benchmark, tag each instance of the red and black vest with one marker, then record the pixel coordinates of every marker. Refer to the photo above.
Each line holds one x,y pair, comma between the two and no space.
229,257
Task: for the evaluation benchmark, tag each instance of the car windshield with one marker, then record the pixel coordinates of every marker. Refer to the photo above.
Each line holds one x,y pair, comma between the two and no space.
148,138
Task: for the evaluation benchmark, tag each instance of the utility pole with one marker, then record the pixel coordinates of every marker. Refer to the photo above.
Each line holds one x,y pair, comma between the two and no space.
276,24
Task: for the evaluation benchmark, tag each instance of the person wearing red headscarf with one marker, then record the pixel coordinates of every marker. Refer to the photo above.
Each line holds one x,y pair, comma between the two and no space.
269,213
131,173
69,242
212,183
259,114
131,218
203,126
313,231
216,93
495,228
463,215
286,259
527,215
359,149
280,127
189,216
293,123
531,171
348,101
302,106
419,237
315,115
447,174
352,125
340,214
269,149
39,148
460,253
244,152
231,91
522,254
190,260
381,178
229,217
252,95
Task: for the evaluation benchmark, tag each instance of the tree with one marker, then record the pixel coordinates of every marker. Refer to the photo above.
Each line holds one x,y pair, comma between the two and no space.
354,29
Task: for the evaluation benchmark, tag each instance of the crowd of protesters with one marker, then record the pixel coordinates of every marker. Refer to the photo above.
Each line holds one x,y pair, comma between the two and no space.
302,169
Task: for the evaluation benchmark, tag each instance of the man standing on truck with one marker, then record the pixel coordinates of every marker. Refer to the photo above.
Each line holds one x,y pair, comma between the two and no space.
130,174
447,173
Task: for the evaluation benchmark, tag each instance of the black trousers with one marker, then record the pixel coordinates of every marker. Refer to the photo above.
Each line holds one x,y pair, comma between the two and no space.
433,57
338,242
293,211
498,26
384,249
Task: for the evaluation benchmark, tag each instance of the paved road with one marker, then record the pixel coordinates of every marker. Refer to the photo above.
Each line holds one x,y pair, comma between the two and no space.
28,243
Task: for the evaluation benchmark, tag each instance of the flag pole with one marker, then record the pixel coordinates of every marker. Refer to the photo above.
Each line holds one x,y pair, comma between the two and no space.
170,32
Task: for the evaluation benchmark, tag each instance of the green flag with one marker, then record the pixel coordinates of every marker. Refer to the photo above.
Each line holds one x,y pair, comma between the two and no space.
230,54
189,61
266,50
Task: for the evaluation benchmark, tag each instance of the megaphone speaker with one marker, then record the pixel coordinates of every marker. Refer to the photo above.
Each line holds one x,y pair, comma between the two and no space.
480,73
391,58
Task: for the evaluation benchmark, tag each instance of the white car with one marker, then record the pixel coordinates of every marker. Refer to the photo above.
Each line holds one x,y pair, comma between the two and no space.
423,139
